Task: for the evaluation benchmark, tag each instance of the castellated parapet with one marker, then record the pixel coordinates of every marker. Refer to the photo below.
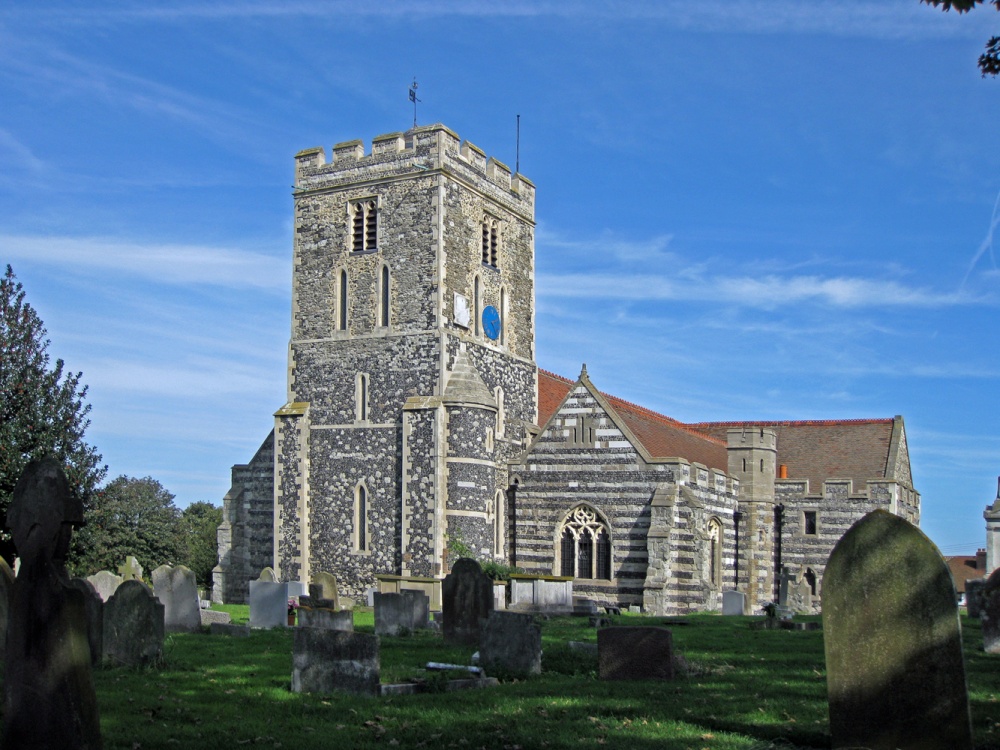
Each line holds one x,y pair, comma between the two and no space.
429,148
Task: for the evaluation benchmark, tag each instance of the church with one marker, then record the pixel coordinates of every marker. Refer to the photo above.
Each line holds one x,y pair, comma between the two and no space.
416,416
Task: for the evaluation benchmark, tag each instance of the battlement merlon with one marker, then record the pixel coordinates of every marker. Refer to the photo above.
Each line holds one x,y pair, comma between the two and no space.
431,148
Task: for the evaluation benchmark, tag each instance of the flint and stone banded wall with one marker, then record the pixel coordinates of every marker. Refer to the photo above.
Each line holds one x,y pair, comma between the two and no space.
836,509
612,478
246,535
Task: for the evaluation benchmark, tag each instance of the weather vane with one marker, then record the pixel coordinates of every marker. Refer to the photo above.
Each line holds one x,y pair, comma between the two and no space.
413,98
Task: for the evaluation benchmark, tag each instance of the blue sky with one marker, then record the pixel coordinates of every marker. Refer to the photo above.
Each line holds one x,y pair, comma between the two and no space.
746,210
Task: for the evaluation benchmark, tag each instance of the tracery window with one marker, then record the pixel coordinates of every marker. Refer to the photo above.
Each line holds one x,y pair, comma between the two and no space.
364,226
585,545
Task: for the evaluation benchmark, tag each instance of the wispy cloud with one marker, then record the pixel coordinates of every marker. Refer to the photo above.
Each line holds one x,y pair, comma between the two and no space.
161,263
851,18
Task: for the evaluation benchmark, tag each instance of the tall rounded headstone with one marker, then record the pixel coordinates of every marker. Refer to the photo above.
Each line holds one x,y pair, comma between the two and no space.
894,664
177,590
466,602
133,626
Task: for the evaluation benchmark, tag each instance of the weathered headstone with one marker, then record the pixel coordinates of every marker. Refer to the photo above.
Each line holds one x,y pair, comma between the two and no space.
734,603
635,653
327,583
130,569
177,590
228,628
6,597
106,583
894,665
974,596
324,661
511,643
400,613
268,604
48,690
94,608
799,598
327,619
989,613
133,626
466,601
267,574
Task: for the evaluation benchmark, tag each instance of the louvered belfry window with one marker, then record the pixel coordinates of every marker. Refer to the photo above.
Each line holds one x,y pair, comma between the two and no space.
364,226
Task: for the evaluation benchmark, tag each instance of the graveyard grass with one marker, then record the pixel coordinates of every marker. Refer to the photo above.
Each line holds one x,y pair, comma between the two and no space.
748,689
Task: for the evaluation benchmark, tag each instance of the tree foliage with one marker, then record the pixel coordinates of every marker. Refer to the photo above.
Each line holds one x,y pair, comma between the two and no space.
129,517
989,61
199,524
42,409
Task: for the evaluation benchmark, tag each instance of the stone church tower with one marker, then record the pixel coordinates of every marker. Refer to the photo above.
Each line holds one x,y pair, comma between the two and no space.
411,372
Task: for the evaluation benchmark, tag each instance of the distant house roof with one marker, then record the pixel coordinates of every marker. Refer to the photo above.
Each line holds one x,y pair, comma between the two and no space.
661,436
856,449
965,567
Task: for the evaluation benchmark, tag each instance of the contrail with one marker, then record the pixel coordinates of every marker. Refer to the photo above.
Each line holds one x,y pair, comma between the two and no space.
986,244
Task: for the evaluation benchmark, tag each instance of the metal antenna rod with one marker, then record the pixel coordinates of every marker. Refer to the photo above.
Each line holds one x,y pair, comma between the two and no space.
517,151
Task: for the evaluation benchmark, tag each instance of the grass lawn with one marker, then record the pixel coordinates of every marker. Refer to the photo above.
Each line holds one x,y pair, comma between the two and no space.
745,689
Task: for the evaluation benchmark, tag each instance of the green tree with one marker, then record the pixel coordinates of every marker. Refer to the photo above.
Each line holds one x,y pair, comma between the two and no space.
42,409
129,517
989,61
199,524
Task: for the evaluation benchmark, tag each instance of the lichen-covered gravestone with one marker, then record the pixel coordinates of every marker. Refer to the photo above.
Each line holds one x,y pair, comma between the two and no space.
989,613
894,665
133,626
511,643
48,690
106,583
466,601
94,607
177,590
267,574
324,661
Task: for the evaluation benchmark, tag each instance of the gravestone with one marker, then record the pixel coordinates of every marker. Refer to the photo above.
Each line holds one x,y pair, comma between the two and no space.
106,583
48,689
511,643
327,583
466,601
798,597
94,608
177,590
400,613
974,596
734,603
130,569
989,613
894,665
133,626
267,574
208,616
6,597
228,628
635,653
268,604
327,619
325,661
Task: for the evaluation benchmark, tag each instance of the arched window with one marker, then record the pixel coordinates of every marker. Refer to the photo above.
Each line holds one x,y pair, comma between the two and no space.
383,312
503,316
585,545
342,302
498,395
361,397
361,518
498,524
715,552
477,305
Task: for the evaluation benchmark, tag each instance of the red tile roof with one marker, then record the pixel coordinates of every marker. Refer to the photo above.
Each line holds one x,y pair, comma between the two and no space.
963,567
816,450
661,436
855,449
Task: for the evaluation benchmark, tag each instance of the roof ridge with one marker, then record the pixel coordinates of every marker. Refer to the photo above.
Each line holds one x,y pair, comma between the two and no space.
792,422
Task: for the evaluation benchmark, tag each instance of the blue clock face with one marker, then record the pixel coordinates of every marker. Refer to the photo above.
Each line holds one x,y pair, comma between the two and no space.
491,322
